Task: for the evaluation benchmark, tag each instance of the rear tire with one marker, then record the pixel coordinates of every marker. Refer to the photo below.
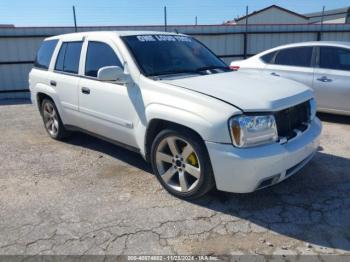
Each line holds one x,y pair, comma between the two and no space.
52,120
181,164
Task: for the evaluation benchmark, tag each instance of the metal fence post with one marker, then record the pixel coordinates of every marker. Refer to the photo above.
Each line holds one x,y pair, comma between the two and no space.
245,35
319,34
165,20
75,20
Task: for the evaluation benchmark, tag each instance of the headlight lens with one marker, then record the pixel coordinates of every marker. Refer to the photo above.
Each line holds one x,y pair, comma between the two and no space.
247,131
313,108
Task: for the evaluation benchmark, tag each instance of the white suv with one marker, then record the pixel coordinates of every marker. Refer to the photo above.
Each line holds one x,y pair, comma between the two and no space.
170,98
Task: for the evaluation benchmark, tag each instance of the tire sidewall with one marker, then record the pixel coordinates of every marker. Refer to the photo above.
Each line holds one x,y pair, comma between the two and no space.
60,131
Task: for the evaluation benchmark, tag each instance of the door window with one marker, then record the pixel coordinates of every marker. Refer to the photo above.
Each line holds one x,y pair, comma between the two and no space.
99,55
68,58
298,56
334,58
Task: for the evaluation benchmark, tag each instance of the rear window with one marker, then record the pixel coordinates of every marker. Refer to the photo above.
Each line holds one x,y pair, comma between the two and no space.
299,56
268,57
68,58
44,54
335,58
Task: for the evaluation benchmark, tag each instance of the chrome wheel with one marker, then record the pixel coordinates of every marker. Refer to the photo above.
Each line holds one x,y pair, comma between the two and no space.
178,164
50,119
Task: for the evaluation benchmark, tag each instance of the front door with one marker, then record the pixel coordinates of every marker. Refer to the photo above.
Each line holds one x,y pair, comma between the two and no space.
106,108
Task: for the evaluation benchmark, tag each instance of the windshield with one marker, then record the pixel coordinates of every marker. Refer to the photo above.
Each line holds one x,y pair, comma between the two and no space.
172,54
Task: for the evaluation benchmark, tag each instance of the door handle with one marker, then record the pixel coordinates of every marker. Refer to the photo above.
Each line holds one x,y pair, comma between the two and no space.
85,90
324,79
53,83
274,74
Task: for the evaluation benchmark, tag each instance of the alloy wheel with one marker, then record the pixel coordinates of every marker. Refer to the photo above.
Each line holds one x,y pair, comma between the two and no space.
50,119
178,164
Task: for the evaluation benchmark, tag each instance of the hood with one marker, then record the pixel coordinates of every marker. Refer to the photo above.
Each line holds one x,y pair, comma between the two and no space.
249,92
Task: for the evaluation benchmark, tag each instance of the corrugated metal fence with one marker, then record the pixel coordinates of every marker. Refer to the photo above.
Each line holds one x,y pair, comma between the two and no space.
19,45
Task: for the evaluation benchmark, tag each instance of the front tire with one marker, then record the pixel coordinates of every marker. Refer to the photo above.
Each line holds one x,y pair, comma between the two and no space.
181,163
52,120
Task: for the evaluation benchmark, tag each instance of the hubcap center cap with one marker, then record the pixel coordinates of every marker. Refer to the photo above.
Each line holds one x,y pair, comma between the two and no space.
178,163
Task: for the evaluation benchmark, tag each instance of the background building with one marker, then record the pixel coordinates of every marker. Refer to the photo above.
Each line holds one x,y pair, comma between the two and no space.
340,15
272,15
275,14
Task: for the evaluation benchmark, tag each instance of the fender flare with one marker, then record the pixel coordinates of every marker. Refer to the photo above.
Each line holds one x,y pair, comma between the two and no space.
49,91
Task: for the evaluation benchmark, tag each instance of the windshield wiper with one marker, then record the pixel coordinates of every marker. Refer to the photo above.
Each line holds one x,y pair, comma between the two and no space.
204,68
173,72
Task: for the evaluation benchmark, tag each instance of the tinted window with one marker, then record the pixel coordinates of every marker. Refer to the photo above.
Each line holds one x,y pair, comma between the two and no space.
172,54
268,57
60,57
335,58
68,57
99,55
44,55
300,56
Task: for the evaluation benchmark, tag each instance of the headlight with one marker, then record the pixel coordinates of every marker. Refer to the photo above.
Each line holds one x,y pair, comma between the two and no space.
247,131
313,108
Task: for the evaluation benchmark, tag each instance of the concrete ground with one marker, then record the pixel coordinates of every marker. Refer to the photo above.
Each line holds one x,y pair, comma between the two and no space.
86,196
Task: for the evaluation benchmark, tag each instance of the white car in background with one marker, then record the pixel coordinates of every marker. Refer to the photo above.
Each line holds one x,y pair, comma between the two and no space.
323,66
168,97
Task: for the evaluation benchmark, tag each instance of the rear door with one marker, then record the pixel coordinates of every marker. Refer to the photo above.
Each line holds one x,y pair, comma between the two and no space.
332,78
293,63
64,79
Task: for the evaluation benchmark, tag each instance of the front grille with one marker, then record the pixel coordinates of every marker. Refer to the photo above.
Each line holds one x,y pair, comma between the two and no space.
292,120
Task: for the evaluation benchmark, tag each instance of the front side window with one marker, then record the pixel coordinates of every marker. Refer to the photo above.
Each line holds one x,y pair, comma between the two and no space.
298,56
68,58
99,55
44,54
172,54
334,58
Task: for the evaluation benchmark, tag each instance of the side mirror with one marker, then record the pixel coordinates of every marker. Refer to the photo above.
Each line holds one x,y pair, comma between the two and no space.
113,73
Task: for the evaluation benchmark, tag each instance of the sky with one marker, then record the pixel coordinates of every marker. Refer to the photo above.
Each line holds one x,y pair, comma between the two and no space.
142,12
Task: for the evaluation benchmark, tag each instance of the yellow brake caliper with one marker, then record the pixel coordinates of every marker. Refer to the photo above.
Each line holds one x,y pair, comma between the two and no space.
192,159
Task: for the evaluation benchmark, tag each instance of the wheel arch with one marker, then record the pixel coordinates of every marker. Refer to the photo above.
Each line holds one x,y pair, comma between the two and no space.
156,125
43,91
40,96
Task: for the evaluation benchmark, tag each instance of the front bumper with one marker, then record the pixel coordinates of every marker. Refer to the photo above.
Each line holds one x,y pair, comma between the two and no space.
243,170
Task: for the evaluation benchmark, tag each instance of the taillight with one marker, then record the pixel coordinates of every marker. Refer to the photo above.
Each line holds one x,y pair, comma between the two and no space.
234,68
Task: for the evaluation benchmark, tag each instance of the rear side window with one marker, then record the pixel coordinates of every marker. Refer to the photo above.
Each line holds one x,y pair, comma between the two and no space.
68,57
334,58
99,55
299,56
44,54
268,57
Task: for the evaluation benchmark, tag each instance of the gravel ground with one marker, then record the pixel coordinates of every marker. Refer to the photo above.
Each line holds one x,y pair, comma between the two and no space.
86,196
